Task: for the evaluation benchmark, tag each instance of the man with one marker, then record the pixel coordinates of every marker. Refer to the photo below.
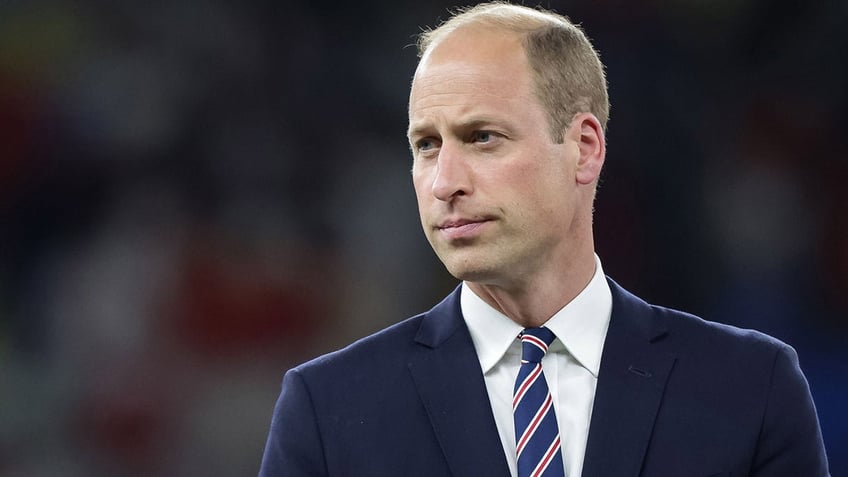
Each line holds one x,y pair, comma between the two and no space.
537,364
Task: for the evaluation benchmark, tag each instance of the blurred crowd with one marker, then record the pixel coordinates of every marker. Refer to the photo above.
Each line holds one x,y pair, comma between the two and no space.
197,194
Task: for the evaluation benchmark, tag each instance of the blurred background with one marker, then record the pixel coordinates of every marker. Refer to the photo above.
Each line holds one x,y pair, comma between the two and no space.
196,195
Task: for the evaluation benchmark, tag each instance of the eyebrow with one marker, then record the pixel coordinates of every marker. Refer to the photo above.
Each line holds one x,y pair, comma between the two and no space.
416,131
472,122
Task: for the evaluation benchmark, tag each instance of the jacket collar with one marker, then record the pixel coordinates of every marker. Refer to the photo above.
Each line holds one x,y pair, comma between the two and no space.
631,384
450,384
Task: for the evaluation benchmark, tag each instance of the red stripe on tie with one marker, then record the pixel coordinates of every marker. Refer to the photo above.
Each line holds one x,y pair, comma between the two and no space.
534,424
536,341
531,378
546,460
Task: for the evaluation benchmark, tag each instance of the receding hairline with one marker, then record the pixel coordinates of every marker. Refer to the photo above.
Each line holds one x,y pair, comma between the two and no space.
517,19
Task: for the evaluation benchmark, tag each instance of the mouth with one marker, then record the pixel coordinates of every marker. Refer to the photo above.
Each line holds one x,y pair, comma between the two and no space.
462,228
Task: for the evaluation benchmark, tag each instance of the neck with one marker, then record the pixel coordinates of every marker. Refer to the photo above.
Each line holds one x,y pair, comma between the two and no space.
534,300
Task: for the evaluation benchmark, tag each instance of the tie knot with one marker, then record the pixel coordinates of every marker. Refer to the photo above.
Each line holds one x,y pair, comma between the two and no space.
534,344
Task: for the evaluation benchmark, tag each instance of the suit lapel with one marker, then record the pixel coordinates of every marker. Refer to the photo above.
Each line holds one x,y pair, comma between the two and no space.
631,382
449,381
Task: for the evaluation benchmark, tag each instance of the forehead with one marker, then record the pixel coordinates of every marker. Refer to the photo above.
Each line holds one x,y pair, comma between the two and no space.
470,68
472,38
473,47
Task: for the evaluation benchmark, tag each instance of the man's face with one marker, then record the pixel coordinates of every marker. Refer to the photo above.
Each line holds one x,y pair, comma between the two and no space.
497,196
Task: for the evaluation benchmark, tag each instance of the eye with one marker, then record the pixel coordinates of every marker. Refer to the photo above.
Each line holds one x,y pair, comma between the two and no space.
425,145
482,136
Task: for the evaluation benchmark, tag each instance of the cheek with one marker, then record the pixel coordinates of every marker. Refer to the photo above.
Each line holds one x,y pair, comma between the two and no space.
419,184
528,181
424,198
544,191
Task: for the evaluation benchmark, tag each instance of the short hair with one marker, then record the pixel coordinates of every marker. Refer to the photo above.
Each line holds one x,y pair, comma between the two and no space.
568,76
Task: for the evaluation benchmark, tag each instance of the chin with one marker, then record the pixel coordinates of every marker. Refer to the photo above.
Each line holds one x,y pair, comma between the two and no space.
470,264
471,272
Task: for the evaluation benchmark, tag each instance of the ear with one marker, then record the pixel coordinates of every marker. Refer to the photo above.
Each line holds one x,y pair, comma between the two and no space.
588,133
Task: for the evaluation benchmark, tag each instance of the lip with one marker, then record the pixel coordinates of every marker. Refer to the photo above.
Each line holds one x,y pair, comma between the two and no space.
457,229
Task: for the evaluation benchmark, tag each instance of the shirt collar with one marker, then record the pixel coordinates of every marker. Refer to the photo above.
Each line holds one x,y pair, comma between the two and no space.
581,325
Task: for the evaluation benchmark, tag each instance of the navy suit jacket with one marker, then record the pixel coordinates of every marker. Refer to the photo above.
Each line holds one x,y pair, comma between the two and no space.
676,396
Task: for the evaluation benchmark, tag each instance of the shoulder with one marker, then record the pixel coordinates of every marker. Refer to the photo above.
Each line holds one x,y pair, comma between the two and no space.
391,341
692,330
753,378
387,350
688,333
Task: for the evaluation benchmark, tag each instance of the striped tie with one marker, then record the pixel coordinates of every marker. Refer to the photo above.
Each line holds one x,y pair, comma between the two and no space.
537,447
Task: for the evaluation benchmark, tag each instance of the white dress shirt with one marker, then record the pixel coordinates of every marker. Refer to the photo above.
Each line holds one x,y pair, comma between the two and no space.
570,366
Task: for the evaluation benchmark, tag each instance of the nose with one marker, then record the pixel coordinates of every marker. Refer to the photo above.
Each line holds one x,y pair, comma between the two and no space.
453,177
